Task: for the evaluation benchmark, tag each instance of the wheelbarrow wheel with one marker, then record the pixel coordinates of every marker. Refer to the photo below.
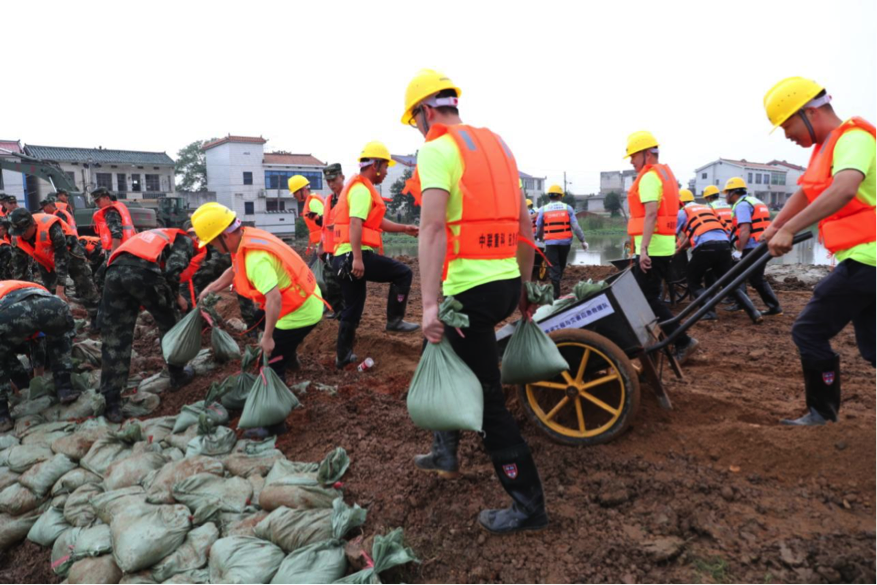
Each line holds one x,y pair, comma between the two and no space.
591,403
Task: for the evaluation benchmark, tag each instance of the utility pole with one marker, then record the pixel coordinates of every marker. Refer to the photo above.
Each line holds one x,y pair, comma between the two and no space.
564,182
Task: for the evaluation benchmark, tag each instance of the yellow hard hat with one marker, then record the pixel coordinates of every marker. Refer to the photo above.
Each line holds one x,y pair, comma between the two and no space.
520,183
529,203
427,82
639,141
787,97
555,190
686,196
297,182
710,191
375,149
210,220
735,183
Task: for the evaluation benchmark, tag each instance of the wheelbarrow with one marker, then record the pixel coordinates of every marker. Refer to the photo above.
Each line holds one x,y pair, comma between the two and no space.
601,336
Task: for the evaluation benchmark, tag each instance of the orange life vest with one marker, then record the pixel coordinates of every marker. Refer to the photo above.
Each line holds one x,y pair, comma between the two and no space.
62,206
854,223
2,211
490,223
314,230
189,273
726,216
147,245
42,250
90,243
556,225
68,217
7,286
700,219
303,282
329,213
371,227
103,232
667,209
760,218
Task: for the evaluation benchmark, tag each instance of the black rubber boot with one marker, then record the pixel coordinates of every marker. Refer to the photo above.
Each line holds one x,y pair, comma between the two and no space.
822,392
747,305
443,457
180,376
397,302
6,423
683,352
113,412
64,387
770,300
556,286
518,475
262,433
344,350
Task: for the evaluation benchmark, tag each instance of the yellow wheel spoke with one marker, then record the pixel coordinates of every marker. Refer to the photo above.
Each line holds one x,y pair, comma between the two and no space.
599,403
599,381
580,415
552,385
581,373
568,378
556,409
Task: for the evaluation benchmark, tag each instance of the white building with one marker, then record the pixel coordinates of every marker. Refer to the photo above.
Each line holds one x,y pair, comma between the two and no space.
534,187
773,183
616,182
254,183
11,182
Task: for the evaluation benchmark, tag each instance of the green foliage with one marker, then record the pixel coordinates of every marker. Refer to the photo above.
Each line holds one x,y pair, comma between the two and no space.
612,203
715,569
570,200
402,202
192,165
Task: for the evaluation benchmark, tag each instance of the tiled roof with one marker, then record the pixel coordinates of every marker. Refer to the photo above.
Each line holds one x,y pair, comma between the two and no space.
782,163
285,158
409,160
10,145
751,165
98,155
230,138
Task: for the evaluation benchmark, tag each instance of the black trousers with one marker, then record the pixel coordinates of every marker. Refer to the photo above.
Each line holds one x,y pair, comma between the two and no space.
286,342
712,257
761,286
557,255
487,305
846,295
651,283
378,268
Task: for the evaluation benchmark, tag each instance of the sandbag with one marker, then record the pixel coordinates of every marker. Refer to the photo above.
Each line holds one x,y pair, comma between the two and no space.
156,384
78,510
225,348
45,434
93,541
249,458
141,578
207,494
190,556
239,387
144,535
132,470
160,489
39,387
531,356
32,407
211,441
95,570
240,524
87,352
7,478
7,441
111,448
183,341
297,491
191,413
13,529
22,423
321,562
258,484
193,577
73,480
89,403
22,457
62,551
293,529
76,446
243,559
158,429
181,440
41,477
140,404
16,500
108,504
387,552
269,401
319,271
203,362
50,525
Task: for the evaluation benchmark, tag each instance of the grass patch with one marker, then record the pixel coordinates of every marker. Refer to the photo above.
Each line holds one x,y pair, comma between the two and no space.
714,569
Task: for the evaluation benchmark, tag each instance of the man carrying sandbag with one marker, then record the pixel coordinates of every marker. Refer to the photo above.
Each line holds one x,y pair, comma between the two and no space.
269,272
26,311
145,272
476,240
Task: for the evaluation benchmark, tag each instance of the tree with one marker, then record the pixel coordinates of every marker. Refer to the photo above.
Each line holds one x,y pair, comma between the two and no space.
612,203
569,199
401,202
192,165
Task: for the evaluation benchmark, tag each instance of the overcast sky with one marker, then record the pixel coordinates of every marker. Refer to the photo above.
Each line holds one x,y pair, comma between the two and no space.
563,82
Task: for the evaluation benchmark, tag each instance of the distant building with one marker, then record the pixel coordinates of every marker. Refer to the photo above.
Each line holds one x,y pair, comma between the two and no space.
773,182
254,183
534,187
12,183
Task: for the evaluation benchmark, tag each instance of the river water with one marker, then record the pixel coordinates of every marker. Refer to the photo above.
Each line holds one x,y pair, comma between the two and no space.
605,248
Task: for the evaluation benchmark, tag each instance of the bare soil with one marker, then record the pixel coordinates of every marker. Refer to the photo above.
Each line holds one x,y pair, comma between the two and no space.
711,491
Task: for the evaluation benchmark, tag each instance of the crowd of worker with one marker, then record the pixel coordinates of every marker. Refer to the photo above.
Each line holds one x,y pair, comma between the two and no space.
477,235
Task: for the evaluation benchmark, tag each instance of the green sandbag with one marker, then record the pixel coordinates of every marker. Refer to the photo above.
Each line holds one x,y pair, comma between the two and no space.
387,552
183,342
225,348
49,527
240,387
292,529
319,270
191,414
269,401
321,562
445,395
586,288
211,440
531,356
243,559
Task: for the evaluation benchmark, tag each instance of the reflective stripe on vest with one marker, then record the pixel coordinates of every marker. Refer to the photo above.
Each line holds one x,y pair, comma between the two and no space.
700,219
371,227
103,232
556,225
302,280
760,218
147,245
854,223
668,207
42,249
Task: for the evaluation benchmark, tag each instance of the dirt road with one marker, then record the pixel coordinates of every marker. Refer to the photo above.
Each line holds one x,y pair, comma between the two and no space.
714,490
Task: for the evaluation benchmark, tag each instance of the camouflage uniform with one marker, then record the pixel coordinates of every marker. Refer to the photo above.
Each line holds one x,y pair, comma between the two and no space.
21,267
96,258
7,252
131,283
24,313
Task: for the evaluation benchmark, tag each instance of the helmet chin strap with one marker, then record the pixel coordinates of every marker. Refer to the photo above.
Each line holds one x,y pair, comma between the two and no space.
809,126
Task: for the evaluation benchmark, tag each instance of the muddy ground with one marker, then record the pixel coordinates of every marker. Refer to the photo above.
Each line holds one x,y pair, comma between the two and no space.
712,491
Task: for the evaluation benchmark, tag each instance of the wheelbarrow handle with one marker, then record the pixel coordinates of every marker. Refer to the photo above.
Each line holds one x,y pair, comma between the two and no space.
710,298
